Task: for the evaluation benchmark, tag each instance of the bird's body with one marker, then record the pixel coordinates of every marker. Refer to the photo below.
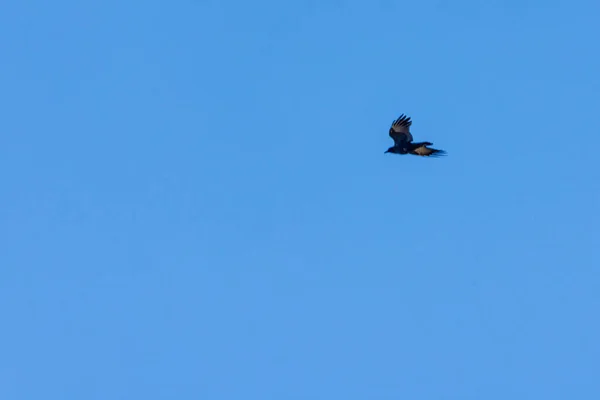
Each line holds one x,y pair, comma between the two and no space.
403,140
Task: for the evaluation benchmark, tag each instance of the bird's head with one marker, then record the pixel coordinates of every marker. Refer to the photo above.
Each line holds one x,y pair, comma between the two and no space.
390,150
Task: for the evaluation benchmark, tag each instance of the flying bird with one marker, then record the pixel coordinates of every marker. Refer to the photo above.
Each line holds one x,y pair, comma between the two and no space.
403,140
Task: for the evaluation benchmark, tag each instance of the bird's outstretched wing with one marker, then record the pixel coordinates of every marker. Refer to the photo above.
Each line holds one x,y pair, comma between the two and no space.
428,151
400,130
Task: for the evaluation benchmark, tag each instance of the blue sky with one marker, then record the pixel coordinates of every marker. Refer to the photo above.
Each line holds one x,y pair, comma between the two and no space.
196,203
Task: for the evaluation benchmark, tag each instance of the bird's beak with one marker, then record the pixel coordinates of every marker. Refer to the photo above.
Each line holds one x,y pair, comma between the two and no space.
387,151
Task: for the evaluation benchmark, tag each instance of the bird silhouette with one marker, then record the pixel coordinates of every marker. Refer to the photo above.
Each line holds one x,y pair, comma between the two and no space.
403,140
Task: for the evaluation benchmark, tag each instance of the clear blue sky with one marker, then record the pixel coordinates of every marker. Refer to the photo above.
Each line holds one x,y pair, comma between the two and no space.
196,203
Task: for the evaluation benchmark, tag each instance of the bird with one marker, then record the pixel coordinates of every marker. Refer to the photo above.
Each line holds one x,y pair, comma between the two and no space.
403,140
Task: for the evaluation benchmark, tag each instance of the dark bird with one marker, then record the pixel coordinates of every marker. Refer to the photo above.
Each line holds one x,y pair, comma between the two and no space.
403,140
